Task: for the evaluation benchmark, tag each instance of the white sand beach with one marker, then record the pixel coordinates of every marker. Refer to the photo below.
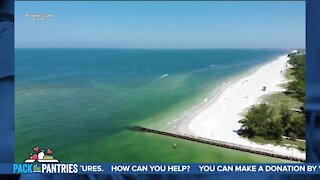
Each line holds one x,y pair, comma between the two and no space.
218,119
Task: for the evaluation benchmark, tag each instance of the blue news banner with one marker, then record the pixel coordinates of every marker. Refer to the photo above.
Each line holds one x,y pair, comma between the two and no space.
159,168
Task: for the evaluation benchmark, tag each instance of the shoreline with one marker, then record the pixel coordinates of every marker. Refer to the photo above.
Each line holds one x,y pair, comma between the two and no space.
206,102
227,104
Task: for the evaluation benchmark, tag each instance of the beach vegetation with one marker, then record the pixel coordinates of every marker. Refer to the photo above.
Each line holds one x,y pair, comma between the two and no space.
262,120
296,87
286,142
272,122
283,99
281,118
288,74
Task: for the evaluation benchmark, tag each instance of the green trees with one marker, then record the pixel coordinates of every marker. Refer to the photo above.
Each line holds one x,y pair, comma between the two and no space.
296,88
296,127
272,121
262,120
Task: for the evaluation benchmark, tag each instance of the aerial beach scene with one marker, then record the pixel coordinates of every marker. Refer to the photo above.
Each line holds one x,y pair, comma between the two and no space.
161,81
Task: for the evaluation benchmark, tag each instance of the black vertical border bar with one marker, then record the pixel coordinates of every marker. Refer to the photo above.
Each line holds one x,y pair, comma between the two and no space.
7,81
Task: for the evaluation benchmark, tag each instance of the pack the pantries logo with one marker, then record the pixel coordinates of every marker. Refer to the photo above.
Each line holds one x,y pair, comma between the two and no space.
41,156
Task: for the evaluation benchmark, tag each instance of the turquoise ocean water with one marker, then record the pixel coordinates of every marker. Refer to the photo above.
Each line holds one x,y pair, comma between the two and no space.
80,101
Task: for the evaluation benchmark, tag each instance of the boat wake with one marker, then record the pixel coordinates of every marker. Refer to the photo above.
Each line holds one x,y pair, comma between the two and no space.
163,76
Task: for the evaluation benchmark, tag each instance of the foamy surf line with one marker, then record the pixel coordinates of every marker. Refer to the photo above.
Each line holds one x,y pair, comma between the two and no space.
218,118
